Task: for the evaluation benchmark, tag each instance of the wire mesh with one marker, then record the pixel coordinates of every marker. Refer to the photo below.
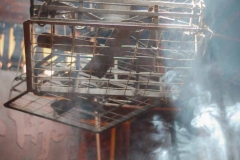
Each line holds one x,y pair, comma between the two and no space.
95,64
128,70
80,112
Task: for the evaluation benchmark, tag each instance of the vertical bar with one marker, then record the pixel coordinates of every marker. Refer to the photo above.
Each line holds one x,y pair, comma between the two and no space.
97,124
201,25
31,8
93,54
156,10
91,6
153,33
27,42
77,64
98,146
70,86
128,132
116,67
190,20
52,33
195,44
137,85
39,50
113,142
159,70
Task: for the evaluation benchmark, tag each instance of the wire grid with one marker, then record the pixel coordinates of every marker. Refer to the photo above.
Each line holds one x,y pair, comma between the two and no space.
78,116
127,62
177,12
133,69
95,74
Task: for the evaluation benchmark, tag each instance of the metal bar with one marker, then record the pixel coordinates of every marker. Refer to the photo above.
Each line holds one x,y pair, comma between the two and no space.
98,91
113,81
122,25
98,140
141,3
98,146
122,106
31,8
121,12
15,98
83,126
142,81
16,85
124,49
113,141
27,43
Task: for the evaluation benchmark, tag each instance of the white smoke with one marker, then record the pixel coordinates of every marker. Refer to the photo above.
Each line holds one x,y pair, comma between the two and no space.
209,142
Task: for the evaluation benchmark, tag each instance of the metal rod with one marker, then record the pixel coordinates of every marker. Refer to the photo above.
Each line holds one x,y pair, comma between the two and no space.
120,12
122,25
98,141
141,3
27,42
113,141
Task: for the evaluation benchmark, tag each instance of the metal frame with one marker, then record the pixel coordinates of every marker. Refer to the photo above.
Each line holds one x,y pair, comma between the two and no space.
142,62
12,104
131,73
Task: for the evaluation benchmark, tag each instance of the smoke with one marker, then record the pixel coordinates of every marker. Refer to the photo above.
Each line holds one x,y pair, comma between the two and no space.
233,116
208,126
204,128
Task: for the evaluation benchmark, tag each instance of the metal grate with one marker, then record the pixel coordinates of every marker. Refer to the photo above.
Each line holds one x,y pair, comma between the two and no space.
80,112
95,64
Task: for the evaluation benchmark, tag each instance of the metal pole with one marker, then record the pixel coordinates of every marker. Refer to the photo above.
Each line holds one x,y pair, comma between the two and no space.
113,142
98,136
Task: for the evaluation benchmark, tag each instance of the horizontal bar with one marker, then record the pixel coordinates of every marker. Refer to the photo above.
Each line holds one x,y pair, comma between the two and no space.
118,72
124,49
63,120
120,25
121,12
139,3
116,82
107,92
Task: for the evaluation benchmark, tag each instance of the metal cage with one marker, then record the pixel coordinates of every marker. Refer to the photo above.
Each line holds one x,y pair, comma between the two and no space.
95,64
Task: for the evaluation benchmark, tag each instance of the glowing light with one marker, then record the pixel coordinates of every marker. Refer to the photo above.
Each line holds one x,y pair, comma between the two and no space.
48,73
24,69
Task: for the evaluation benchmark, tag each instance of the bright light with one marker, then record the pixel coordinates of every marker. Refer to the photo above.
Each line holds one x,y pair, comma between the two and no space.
48,73
24,69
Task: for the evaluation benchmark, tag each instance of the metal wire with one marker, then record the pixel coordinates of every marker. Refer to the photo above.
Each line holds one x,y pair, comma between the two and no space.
150,60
